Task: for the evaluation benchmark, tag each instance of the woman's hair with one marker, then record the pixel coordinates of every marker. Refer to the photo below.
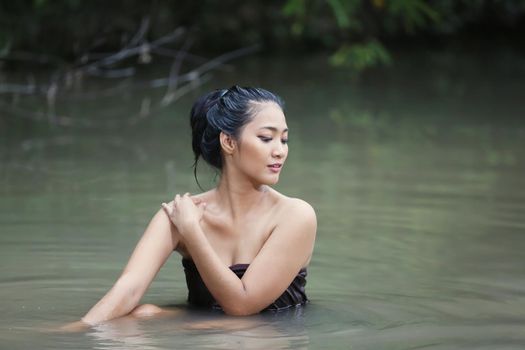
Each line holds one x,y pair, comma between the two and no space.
227,111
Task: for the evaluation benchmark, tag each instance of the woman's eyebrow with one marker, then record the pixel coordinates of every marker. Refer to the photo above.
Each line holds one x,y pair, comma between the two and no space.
273,128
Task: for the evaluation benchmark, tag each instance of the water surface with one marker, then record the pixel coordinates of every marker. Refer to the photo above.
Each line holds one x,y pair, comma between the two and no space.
416,174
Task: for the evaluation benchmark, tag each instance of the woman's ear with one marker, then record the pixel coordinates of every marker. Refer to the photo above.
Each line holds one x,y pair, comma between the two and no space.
228,143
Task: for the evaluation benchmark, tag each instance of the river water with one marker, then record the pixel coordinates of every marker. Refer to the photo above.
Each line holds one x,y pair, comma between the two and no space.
416,174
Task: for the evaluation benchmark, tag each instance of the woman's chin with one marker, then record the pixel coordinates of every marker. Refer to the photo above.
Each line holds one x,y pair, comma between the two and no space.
267,179
273,180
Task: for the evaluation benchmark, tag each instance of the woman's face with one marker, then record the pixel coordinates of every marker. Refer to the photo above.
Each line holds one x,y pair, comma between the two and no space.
263,144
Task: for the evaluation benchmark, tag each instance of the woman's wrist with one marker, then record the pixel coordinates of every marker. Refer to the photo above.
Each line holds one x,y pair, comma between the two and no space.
87,322
191,231
194,236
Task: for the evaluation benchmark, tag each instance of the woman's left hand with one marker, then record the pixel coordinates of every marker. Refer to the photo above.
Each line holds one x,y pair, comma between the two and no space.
185,212
78,326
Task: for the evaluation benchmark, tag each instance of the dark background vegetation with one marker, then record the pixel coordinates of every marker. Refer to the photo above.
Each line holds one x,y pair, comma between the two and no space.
356,33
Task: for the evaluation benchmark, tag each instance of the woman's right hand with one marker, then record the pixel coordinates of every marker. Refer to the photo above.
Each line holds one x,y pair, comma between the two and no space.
185,212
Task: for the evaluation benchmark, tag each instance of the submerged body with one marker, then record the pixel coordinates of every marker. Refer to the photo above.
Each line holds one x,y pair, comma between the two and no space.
243,222
200,296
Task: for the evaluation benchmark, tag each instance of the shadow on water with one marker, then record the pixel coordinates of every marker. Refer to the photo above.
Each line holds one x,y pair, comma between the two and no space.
416,174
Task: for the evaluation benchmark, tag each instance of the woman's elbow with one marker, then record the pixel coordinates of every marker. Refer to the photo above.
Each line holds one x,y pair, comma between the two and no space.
238,312
240,309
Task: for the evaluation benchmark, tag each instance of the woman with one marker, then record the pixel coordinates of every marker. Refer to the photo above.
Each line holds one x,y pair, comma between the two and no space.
245,246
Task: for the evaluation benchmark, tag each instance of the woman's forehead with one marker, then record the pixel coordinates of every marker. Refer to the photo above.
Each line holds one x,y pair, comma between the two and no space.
268,115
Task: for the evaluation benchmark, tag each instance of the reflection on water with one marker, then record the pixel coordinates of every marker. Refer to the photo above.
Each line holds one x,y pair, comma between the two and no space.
192,328
416,176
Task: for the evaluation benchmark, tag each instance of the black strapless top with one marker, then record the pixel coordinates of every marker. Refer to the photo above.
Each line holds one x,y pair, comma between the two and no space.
199,295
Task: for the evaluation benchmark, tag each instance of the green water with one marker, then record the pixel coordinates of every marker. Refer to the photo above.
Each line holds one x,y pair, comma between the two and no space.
416,174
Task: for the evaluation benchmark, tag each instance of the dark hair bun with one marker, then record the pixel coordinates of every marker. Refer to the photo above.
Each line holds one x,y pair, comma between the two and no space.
200,128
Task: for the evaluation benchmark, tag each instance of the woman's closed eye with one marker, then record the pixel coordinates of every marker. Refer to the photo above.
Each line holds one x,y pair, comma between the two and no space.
266,139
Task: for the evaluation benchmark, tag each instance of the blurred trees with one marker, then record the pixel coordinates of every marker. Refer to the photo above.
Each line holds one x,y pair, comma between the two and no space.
357,29
356,32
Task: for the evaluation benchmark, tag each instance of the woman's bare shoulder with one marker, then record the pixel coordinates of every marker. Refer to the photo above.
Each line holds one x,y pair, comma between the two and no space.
294,207
297,222
204,196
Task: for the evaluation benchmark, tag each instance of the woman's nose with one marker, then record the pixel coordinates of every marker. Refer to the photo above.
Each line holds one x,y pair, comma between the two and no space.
278,151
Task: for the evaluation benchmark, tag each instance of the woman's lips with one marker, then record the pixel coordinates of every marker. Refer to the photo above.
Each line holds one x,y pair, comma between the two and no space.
275,167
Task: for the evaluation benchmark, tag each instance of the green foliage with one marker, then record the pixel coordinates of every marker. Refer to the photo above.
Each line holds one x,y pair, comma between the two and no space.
361,56
412,14
358,24
343,12
295,7
355,31
5,45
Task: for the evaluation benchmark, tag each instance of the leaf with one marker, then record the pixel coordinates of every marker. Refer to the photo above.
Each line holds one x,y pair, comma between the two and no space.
340,14
294,7
5,43
413,13
361,56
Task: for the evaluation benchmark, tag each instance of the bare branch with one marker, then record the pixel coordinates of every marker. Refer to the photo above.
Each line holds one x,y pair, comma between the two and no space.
174,73
226,57
110,121
141,33
63,82
128,52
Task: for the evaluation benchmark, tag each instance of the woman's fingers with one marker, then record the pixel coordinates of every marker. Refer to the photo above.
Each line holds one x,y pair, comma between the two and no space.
202,208
77,326
185,211
181,202
167,209
179,197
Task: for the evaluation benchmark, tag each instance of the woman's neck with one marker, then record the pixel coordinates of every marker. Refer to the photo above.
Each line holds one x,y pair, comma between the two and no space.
239,197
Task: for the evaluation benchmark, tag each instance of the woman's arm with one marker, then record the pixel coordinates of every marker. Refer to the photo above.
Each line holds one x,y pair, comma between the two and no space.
151,252
286,251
